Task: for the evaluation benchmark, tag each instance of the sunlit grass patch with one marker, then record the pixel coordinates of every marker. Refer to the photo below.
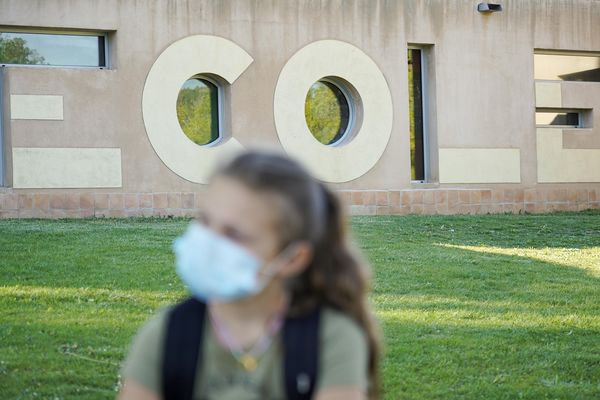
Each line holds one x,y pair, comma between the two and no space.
585,258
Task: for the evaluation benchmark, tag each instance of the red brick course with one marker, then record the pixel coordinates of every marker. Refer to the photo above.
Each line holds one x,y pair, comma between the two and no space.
358,202
131,201
145,200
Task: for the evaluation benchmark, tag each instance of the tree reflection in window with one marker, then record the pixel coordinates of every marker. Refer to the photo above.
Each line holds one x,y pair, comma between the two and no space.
15,51
198,110
327,112
56,49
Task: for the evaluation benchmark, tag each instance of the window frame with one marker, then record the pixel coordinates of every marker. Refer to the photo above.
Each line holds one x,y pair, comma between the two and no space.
425,111
216,81
344,137
58,32
2,177
563,53
347,91
584,117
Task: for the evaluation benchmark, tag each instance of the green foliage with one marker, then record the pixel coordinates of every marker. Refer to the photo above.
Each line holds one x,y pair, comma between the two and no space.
494,307
411,113
323,114
197,111
15,51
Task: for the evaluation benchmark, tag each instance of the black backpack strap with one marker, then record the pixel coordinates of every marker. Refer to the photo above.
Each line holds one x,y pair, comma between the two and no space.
182,349
301,355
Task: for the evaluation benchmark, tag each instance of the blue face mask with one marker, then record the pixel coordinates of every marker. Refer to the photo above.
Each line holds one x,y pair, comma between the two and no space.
214,268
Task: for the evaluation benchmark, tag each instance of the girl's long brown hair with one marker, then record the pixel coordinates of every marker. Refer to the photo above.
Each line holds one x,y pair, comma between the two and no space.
337,276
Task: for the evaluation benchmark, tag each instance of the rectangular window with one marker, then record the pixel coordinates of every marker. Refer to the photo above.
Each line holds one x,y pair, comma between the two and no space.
53,49
558,119
2,183
567,67
417,115
564,118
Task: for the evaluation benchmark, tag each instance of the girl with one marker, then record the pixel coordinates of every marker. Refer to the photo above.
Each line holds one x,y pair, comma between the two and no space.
278,306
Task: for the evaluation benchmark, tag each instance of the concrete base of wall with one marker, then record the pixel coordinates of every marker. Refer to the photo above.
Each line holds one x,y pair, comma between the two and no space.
368,202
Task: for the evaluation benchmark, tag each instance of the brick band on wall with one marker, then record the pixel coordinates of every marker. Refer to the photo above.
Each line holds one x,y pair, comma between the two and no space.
359,202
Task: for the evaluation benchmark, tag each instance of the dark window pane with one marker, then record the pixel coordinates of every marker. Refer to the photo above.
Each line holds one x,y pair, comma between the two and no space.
198,110
52,49
327,112
560,67
415,104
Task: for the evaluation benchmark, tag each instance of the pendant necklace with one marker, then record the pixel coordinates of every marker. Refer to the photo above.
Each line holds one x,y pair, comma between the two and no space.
248,359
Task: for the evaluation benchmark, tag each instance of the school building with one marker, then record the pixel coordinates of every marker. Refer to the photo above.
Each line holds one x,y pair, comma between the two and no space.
123,107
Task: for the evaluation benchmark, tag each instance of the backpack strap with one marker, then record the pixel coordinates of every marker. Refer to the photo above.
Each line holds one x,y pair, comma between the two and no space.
301,353
182,349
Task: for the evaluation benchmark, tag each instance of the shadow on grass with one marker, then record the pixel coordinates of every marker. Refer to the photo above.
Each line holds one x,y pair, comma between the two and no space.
476,275
55,351
572,230
446,360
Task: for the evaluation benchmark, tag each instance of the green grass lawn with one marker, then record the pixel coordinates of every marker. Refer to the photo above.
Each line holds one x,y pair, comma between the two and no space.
494,307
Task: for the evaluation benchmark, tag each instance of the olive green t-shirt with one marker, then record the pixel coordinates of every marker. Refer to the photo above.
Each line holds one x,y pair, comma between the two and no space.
343,361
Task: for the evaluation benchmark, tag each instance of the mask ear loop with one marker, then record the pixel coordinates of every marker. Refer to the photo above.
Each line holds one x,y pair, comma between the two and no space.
270,269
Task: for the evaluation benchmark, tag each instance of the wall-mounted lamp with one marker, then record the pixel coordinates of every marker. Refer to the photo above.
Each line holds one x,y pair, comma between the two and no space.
487,8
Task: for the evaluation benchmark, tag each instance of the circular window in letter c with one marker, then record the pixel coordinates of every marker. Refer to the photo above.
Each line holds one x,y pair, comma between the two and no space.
193,56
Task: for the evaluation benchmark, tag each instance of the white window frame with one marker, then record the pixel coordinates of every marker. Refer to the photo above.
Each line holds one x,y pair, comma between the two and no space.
349,132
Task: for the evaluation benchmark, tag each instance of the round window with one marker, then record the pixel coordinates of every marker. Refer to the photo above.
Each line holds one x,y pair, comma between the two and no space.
198,110
328,110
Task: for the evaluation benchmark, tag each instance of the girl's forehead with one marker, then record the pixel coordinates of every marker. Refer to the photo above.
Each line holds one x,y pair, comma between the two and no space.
229,202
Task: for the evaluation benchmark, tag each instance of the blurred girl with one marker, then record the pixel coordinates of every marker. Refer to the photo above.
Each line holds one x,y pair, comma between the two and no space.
278,307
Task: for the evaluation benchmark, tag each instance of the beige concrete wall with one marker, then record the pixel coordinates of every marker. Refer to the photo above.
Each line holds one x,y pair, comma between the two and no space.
481,74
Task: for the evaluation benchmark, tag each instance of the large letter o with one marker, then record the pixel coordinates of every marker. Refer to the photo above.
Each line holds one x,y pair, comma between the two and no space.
177,63
328,58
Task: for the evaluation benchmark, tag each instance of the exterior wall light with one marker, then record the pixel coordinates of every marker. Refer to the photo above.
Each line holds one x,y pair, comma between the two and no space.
487,8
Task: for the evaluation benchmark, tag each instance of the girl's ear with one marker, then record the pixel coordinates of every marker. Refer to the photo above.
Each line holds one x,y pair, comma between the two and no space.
298,257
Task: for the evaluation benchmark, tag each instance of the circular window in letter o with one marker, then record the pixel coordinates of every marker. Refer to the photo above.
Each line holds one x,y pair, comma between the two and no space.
329,112
357,135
